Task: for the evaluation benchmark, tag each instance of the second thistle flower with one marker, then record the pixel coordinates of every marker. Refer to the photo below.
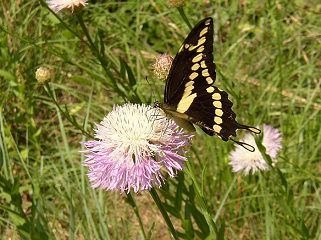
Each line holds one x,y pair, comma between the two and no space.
247,162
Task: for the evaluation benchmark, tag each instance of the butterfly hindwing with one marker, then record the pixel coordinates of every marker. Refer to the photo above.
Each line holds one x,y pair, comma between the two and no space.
189,89
211,110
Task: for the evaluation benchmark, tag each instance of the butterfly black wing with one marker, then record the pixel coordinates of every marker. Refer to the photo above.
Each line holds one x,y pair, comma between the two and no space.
189,89
182,63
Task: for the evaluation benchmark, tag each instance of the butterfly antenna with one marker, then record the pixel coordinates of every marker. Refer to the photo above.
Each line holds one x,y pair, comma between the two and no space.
244,145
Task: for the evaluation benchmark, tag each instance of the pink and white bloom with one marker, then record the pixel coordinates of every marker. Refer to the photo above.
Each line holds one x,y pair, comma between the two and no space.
247,162
135,145
58,5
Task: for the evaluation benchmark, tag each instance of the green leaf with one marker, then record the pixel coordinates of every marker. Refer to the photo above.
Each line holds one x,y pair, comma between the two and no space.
172,210
304,230
188,227
187,222
127,73
200,220
16,218
179,191
220,234
7,75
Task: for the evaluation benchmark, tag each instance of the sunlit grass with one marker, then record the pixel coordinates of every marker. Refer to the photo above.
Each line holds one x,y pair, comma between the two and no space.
268,59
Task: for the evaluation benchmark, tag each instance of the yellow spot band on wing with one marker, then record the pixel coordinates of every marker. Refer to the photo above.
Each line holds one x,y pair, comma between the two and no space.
218,120
201,41
219,112
185,103
189,88
200,49
210,89
193,75
216,96
191,48
189,83
217,128
217,104
197,58
203,31
195,67
203,65
205,73
209,80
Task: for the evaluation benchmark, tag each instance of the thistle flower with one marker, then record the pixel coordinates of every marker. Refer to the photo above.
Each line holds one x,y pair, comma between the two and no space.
162,65
244,161
58,5
44,74
134,147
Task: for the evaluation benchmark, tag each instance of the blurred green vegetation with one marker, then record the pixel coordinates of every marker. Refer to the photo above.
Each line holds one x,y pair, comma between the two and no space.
268,58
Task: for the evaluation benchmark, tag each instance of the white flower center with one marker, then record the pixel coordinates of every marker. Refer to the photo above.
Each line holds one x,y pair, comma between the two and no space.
135,131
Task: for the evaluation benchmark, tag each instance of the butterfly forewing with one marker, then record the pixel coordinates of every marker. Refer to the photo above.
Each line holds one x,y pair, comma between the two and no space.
199,42
189,87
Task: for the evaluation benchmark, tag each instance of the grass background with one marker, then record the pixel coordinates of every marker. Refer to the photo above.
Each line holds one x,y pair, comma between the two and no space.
268,58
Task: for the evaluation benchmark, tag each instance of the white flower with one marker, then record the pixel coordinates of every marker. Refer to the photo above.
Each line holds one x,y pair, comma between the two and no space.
58,5
244,161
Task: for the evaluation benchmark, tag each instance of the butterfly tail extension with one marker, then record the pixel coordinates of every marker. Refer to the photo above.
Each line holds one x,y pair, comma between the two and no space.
244,145
249,128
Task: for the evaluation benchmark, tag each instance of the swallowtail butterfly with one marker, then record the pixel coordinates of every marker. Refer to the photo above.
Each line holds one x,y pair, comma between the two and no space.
190,96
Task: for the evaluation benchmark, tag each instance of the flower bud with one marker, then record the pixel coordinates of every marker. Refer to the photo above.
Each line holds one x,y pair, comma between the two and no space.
162,66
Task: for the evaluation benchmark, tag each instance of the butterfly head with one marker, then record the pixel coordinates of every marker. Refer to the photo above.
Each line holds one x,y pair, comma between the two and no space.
157,104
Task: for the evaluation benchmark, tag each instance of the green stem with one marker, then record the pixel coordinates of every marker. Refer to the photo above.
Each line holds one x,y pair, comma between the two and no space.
90,44
132,203
182,13
44,3
51,95
101,58
224,198
202,200
161,208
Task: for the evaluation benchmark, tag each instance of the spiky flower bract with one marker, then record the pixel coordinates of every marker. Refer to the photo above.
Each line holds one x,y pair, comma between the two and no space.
162,65
247,162
58,5
134,147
